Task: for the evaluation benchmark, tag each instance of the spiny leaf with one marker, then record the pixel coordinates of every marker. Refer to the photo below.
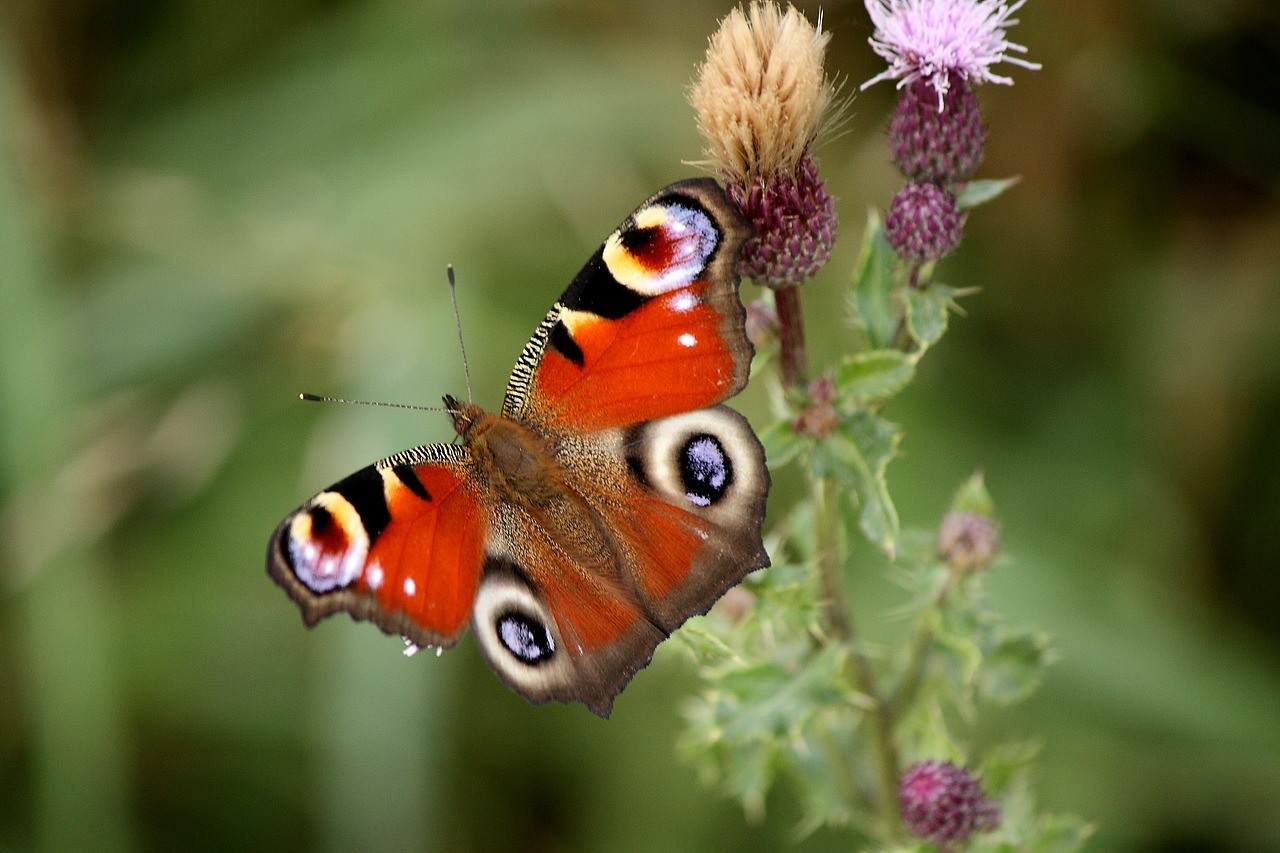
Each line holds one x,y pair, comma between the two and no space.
865,443
927,309
873,376
872,295
981,192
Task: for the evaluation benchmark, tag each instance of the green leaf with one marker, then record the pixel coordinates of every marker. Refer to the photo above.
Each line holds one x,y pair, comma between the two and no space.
781,444
973,497
873,376
872,295
1059,834
773,698
1003,763
964,652
981,192
1013,669
927,309
703,643
864,445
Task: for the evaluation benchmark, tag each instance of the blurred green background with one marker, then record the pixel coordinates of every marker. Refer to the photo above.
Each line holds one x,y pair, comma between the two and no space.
207,207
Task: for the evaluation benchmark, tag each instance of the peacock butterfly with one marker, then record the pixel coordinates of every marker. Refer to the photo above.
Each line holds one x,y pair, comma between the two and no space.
612,498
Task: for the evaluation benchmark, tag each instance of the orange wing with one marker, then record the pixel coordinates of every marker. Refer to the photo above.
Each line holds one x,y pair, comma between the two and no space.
651,326
399,543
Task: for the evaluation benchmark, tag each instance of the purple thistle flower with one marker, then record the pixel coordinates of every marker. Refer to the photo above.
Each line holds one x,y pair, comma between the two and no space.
933,39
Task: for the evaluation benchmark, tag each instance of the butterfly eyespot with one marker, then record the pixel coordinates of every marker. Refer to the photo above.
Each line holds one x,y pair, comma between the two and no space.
327,544
517,633
705,470
526,638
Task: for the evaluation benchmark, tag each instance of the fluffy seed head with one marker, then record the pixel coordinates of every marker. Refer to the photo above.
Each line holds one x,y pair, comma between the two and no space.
761,94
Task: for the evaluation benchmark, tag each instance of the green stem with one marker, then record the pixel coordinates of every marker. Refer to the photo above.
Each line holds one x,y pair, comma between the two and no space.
921,645
840,624
839,619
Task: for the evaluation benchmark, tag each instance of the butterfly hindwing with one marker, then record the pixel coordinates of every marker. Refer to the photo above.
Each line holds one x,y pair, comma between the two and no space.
656,521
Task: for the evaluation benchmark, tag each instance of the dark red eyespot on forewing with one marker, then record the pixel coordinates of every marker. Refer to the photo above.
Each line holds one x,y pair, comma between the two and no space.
327,534
654,248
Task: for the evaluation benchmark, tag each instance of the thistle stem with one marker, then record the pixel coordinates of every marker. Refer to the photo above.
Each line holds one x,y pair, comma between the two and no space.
840,623
794,361
921,646
839,620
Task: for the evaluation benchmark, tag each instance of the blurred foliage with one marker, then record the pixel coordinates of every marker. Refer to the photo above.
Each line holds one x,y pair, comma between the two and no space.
206,208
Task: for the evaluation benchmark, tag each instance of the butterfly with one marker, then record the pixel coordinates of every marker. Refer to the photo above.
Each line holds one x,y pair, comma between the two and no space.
611,498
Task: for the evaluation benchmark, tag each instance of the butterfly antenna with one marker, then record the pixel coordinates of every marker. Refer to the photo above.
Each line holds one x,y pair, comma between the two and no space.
318,398
457,322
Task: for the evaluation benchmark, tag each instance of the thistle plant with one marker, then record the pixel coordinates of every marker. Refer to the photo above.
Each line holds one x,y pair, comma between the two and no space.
875,738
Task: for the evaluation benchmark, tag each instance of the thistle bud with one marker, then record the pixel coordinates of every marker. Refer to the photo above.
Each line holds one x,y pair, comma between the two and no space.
762,323
795,222
944,804
819,418
923,223
932,145
968,541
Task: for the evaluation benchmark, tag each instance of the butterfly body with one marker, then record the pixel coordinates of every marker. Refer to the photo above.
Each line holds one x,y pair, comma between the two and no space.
610,498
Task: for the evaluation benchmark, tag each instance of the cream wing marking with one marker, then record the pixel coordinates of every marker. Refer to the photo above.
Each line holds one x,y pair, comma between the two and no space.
707,461
518,635
328,520
686,232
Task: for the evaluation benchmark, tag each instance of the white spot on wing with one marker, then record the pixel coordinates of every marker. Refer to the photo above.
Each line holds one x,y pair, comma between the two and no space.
410,587
683,302
687,340
374,575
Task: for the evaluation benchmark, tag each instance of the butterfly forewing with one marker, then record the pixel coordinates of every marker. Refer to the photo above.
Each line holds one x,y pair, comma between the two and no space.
651,326
399,543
